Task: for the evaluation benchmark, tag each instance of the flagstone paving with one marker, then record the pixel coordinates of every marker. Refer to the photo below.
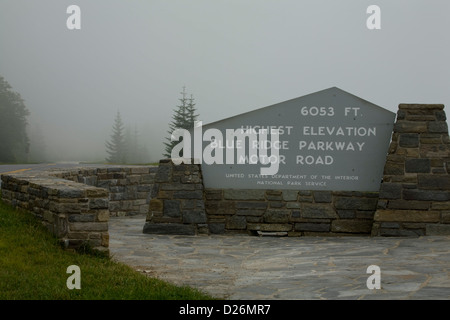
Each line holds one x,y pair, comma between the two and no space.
251,267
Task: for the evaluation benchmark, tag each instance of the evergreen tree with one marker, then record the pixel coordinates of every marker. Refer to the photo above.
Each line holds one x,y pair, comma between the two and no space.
116,147
183,118
14,143
190,110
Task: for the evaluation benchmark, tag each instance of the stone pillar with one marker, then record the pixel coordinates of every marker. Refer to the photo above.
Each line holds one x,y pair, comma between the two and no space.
177,205
414,197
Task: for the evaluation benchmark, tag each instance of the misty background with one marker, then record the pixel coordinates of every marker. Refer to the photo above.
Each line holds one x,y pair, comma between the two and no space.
233,56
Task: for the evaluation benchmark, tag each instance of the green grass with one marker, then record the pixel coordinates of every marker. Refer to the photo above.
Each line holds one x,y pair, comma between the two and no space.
33,267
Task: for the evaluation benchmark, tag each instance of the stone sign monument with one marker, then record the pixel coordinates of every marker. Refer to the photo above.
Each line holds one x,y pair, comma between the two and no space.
328,140
330,149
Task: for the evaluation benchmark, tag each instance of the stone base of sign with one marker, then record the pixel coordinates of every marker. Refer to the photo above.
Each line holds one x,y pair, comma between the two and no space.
181,205
178,204
298,213
415,193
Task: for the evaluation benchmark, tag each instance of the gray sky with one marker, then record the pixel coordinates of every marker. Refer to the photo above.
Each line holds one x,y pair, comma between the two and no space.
234,56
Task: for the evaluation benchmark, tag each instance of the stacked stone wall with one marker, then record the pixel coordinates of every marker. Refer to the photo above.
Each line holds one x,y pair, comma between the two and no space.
177,205
290,212
181,205
415,193
129,187
76,204
74,213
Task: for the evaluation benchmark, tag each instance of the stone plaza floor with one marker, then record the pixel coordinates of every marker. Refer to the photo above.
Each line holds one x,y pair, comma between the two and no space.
267,268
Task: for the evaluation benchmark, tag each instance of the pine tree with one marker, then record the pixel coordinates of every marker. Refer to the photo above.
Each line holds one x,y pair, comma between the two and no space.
116,147
183,118
190,110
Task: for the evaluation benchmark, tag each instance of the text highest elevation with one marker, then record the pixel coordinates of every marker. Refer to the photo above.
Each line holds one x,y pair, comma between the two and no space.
328,140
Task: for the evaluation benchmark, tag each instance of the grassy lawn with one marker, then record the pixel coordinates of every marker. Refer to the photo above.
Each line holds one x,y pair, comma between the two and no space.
33,266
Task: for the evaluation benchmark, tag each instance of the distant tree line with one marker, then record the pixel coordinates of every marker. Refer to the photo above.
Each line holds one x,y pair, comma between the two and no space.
124,145
14,142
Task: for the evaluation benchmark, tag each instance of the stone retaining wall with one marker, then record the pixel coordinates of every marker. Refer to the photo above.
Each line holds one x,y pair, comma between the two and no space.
74,212
76,204
129,187
290,212
181,205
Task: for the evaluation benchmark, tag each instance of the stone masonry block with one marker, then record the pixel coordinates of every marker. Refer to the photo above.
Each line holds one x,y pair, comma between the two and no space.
172,208
445,217
320,211
290,195
410,126
213,194
318,227
194,216
391,191
98,203
96,193
426,195
431,138
216,228
434,182
236,223
103,215
139,170
88,226
408,204
440,115
407,216
163,174
418,165
394,168
233,194
350,203
276,216
351,226
220,207
323,196
437,127
177,186
250,212
196,194
409,140
82,217
71,193
437,229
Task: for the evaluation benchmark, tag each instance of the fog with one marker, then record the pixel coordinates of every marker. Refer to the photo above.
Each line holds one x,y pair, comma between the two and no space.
233,56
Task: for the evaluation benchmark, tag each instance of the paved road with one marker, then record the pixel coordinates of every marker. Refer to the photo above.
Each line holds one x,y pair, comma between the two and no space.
246,267
16,168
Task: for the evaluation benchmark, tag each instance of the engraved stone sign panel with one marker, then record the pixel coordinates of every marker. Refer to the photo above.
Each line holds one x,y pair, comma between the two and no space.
328,140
